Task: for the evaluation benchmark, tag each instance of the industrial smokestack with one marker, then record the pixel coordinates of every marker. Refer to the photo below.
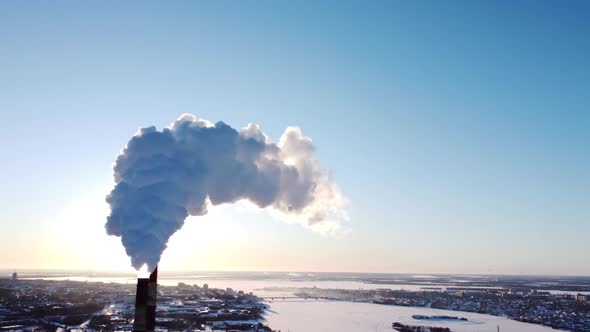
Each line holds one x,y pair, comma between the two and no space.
145,303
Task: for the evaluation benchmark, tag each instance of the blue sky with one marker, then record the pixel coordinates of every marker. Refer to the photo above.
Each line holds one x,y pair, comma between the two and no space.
458,131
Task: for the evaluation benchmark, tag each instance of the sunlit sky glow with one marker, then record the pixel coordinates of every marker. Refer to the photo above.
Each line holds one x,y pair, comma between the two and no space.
459,132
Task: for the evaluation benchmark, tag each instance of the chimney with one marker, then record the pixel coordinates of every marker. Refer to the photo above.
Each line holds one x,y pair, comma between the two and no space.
145,303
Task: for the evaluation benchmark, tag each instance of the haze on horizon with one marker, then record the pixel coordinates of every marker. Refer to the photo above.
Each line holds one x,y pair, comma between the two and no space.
459,134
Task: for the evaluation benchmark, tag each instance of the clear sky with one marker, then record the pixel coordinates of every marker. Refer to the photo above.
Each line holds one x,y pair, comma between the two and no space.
459,131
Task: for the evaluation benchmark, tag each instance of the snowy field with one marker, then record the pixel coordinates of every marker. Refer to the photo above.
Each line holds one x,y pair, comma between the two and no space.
322,316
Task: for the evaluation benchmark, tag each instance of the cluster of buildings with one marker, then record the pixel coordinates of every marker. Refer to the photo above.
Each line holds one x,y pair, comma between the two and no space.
42,305
563,311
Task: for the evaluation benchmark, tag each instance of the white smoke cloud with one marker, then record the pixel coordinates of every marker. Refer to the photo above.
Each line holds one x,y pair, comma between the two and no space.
163,176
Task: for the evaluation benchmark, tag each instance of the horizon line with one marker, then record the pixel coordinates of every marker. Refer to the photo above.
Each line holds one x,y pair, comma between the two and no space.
170,271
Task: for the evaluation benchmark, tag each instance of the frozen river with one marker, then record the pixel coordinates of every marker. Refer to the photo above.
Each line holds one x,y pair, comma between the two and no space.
322,316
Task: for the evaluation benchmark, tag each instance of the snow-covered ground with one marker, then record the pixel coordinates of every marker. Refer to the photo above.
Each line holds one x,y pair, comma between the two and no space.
322,316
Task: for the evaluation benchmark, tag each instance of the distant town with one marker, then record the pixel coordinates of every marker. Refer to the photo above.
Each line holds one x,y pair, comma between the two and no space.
62,305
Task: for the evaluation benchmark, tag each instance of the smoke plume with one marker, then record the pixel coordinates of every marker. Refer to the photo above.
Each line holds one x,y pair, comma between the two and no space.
162,177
